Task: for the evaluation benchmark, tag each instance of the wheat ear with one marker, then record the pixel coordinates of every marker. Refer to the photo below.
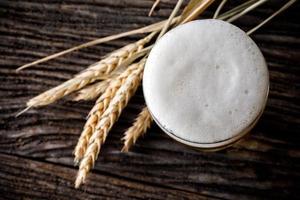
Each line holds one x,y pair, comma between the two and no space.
106,122
92,91
99,108
139,127
94,72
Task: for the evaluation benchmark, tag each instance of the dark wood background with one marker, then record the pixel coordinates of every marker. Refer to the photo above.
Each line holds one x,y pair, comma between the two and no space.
36,159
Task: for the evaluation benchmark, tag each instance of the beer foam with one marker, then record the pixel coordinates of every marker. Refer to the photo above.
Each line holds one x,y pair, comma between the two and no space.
205,81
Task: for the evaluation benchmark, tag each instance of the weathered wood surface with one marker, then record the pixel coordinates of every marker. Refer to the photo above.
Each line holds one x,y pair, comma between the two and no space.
36,159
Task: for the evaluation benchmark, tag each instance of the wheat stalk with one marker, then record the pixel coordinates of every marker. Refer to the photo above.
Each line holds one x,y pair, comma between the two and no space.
219,8
170,19
147,29
99,108
284,7
155,4
106,122
194,9
139,127
246,10
95,72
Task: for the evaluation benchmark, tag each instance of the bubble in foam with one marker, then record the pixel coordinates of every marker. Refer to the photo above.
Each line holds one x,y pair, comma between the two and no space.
205,81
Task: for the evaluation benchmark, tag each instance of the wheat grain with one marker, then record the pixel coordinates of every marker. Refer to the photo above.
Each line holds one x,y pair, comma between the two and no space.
95,72
106,122
100,106
139,127
92,91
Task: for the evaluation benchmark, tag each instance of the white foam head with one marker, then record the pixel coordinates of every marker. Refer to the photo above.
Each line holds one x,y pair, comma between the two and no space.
205,81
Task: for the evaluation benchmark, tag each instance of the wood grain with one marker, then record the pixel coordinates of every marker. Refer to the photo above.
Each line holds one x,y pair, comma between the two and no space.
36,159
42,180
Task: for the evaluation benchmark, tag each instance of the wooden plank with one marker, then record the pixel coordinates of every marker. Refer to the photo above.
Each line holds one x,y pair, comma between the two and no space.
22,178
265,162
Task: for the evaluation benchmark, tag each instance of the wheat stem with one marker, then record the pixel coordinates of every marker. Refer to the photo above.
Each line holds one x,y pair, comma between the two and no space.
236,10
153,7
147,29
284,7
106,122
196,11
139,127
221,5
99,108
248,9
170,19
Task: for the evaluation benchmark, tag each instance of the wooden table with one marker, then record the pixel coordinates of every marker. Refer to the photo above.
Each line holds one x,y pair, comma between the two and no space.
36,159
